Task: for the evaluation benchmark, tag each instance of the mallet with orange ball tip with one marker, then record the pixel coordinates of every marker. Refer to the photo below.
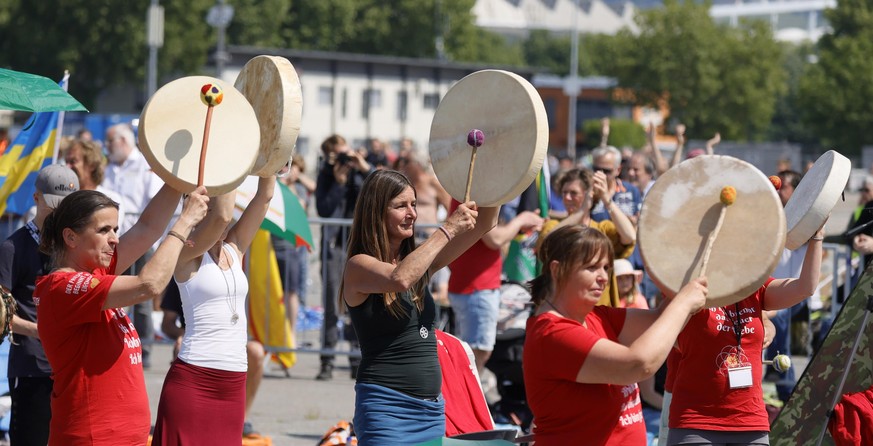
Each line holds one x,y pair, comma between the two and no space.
211,95
777,182
727,198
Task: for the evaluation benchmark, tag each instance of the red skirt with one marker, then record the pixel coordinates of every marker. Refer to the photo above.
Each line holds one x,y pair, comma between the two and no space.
200,406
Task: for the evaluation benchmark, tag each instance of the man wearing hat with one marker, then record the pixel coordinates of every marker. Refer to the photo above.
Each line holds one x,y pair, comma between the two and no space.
21,262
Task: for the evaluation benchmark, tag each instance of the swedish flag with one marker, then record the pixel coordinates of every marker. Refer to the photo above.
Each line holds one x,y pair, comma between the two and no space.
29,152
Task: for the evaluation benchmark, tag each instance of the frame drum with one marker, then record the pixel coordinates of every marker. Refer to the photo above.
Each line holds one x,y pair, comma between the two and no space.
7,309
815,197
510,112
271,85
171,133
682,209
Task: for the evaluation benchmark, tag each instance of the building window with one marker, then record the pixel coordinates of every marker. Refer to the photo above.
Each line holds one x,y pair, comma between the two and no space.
343,105
431,101
402,105
371,99
302,146
325,95
550,106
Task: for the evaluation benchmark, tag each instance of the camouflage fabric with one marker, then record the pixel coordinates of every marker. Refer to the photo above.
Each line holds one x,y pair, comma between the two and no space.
806,413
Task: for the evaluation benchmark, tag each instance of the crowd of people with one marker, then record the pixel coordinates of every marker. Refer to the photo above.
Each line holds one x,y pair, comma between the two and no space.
607,354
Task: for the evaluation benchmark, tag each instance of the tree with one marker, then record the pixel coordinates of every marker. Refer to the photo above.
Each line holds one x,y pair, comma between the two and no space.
260,22
545,50
787,123
102,43
407,28
622,133
836,93
714,78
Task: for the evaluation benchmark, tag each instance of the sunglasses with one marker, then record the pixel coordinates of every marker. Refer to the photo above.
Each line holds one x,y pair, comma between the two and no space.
605,170
864,189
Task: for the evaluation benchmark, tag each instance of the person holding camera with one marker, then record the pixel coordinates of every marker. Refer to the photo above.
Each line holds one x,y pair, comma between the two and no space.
339,181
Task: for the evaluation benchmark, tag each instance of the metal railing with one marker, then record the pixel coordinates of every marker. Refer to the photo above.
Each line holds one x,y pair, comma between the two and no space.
834,275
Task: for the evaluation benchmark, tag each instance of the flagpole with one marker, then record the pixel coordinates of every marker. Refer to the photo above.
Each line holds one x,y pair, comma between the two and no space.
59,129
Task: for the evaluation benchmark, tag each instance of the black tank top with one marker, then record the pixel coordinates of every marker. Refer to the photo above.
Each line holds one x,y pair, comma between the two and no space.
398,353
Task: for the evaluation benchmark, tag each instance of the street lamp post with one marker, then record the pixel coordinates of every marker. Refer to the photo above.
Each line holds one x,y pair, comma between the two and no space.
572,87
219,17
155,40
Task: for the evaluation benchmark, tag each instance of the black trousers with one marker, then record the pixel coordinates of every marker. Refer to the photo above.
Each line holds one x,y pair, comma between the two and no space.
332,262
31,411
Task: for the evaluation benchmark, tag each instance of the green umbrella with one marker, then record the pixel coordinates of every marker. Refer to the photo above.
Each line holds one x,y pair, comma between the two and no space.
285,217
29,92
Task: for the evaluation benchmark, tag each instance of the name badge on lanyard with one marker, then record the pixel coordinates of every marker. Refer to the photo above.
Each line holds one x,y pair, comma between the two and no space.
740,377
739,372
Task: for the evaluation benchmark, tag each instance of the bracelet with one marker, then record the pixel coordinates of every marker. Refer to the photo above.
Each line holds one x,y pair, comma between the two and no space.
446,232
817,238
184,241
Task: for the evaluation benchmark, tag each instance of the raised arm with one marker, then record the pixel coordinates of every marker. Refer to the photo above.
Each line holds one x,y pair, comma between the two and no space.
784,293
155,275
503,234
486,220
243,232
218,216
151,225
604,132
660,163
365,274
623,225
680,145
711,143
645,340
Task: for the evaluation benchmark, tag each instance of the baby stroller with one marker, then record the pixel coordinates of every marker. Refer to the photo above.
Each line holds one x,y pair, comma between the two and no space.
505,360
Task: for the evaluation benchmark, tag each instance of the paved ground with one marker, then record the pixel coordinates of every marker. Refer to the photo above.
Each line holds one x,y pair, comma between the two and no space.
293,411
297,410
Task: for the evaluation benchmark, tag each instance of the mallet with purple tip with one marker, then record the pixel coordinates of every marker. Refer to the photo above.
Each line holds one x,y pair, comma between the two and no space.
475,139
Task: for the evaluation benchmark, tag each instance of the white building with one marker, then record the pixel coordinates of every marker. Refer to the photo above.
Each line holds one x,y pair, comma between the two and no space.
791,20
363,96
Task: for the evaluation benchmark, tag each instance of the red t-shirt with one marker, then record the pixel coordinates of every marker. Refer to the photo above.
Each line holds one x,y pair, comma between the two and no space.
672,363
476,269
99,395
568,412
702,397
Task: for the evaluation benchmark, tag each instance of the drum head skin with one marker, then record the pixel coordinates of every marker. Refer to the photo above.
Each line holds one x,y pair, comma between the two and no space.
271,85
682,209
171,133
510,113
815,197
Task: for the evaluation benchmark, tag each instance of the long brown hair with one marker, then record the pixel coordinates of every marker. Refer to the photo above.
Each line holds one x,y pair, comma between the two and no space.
369,234
571,246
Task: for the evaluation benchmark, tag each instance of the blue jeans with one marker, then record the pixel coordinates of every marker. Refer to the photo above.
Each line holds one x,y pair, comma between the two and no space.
476,317
652,418
782,344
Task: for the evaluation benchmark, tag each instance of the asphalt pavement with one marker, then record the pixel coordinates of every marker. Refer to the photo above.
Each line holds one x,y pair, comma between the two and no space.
293,410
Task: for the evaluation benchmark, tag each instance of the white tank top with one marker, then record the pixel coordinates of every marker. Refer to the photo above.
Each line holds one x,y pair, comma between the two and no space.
209,299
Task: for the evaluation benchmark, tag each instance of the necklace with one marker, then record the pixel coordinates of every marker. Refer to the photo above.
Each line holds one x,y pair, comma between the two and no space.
229,299
553,307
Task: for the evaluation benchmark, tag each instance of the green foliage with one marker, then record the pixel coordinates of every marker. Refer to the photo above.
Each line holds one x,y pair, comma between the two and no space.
101,43
714,78
787,123
836,94
260,22
622,133
542,49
